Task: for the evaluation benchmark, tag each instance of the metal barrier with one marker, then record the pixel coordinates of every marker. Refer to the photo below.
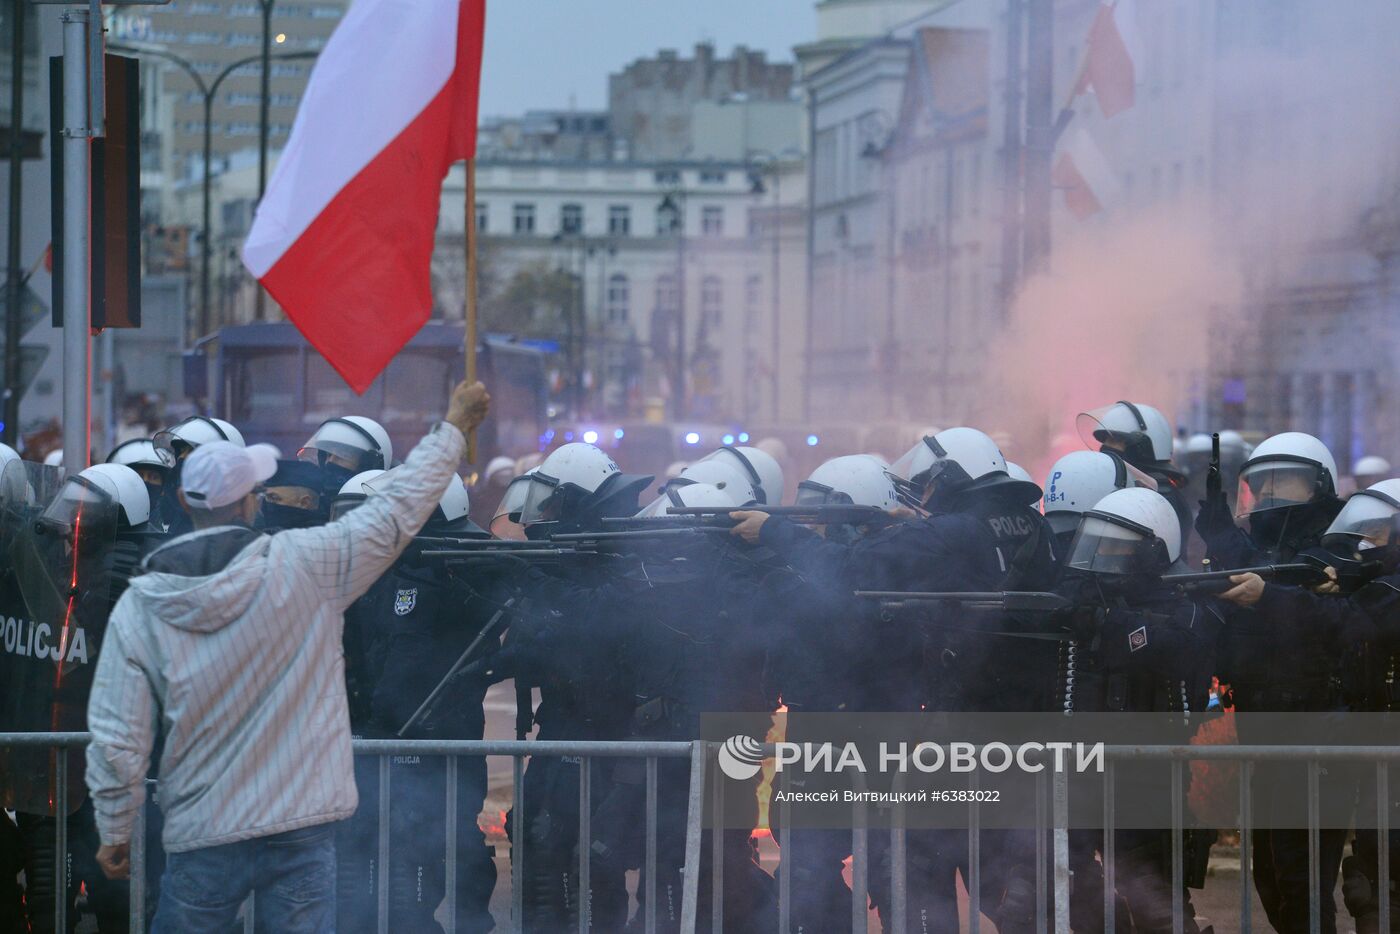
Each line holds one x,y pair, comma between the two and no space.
695,752
1054,786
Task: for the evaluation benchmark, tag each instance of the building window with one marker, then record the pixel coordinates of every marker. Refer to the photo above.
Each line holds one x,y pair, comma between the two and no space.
483,217
753,290
711,302
712,221
668,177
524,220
667,298
619,220
619,298
712,176
571,219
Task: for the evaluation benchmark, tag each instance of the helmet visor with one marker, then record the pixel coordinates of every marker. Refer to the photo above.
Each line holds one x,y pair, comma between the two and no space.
514,499
81,509
1366,521
544,500
661,506
1277,484
1103,546
344,503
1117,427
817,494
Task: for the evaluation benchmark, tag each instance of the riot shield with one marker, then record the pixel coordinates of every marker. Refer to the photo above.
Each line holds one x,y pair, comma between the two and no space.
26,490
55,601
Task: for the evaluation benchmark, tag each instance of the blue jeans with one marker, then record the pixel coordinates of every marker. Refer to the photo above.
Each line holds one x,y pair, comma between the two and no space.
292,875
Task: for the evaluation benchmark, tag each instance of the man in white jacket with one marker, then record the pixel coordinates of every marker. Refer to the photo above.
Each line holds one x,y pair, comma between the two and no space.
229,649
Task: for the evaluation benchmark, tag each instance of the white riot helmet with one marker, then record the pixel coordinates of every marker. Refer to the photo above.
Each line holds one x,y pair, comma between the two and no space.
761,468
182,438
127,490
1371,470
7,454
1134,531
721,474
453,505
1369,521
958,459
854,479
567,475
353,441
1081,479
1140,432
513,500
141,452
1286,470
354,491
694,495
54,458
1017,472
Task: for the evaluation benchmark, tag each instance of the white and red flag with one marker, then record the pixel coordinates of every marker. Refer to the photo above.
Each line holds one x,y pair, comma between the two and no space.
343,238
1083,174
1112,58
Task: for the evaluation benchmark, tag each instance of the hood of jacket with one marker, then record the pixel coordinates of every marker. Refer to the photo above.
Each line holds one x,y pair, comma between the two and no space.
203,581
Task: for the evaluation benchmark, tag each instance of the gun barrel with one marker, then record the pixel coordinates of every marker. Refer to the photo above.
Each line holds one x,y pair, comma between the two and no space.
1300,574
637,534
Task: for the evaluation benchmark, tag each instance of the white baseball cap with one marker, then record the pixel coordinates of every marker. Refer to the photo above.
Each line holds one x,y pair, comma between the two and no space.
220,473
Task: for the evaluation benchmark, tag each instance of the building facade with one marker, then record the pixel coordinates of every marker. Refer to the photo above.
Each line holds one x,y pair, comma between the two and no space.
648,252
211,35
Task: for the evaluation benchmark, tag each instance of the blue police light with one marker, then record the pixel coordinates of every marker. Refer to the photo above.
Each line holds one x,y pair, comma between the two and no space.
590,436
619,434
568,436
743,437
727,439
692,437
813,441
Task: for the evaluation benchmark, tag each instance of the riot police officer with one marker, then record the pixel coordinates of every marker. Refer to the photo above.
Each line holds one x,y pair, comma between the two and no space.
1142,436
981,534
558,644
71,567
824,664
155,466
1282,650
178,441
1138,646
401,639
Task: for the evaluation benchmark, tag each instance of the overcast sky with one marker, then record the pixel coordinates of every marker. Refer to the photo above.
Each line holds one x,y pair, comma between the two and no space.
542,53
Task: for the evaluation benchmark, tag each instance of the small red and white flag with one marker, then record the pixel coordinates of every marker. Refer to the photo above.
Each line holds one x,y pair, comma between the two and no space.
1082,172
1112,57
343,238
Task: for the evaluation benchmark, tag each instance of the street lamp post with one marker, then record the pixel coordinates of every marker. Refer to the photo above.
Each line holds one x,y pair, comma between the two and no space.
673,206
207,91
773,164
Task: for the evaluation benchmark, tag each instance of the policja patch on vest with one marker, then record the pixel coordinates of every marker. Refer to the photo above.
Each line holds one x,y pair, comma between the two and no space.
405,601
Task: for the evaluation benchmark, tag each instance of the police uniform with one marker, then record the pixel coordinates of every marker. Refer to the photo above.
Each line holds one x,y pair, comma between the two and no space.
1138,648
402,637
983,539
1286,654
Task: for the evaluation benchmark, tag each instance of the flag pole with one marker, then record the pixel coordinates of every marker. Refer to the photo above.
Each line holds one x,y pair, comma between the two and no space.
469,241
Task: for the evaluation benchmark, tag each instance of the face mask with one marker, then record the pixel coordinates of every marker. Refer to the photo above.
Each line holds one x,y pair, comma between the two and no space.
275,516
334,477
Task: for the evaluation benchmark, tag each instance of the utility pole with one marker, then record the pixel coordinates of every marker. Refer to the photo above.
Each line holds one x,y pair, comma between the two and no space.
1011,161
78,130
1040,135
14,291
260,308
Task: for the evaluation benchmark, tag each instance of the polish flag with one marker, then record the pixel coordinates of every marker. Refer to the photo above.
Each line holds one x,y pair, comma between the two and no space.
343,238
1109,63
1082,172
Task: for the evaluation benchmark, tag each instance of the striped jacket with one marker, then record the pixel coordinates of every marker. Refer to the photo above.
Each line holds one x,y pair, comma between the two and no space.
239,668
